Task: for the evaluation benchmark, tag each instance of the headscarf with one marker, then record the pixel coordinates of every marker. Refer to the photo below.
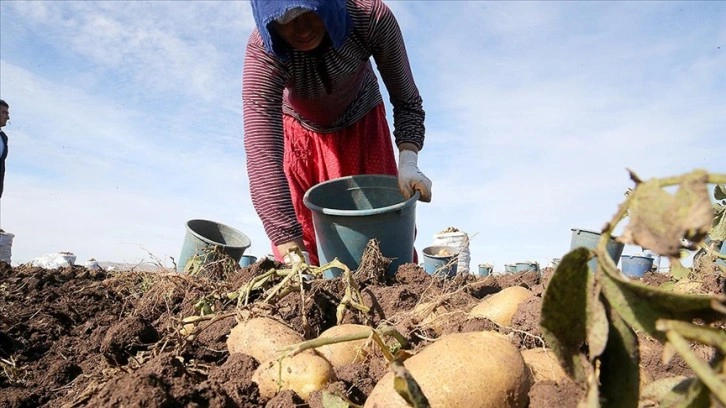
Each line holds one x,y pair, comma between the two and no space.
333,12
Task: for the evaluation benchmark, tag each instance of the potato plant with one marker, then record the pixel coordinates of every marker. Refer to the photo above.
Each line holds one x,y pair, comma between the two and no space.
708,250
590,320
211,260
278,283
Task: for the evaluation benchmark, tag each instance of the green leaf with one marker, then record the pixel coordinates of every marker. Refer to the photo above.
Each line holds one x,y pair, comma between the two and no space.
331,400
659,220
407,387
678,271
719,192
691,393
677,391
564,311
641,305
619,371
703,370
718,230
597,323
667,286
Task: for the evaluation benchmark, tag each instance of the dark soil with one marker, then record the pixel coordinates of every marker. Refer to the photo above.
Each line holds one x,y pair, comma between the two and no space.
74,337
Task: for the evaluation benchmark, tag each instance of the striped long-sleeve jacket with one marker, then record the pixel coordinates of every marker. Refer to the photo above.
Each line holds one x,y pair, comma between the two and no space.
325,90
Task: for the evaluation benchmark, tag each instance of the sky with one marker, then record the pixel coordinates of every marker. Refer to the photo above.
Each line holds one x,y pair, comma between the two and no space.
126,119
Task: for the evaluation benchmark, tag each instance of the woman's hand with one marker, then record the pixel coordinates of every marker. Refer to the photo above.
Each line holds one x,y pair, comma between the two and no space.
284,251
410,178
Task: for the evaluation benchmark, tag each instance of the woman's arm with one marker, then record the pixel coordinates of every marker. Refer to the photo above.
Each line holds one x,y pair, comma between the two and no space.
263,83
389,52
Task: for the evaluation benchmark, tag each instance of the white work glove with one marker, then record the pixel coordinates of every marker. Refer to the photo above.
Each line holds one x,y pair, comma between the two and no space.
410,177
293,258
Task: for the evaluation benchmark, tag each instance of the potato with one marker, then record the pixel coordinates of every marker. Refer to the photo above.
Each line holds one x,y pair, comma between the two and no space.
261,338
686,286
187,329
303,373
543,365
472,369
348,352
431,315
501,306
443,252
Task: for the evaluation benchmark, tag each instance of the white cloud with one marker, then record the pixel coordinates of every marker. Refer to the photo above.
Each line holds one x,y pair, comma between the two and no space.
534,112
96,180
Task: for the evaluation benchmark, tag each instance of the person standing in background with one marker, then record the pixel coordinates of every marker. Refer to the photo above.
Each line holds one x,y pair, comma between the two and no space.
4,117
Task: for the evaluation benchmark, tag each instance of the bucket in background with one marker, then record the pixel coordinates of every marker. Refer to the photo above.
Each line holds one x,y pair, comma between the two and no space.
589,239
526,266
510,268
485,269
350,211
247,260
634,265
440,260
6,246
459,240
204,236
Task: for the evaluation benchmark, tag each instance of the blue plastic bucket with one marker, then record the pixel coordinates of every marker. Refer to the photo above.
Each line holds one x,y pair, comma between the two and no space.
589,239
485,269
204,236
350,211
634,265
440,261
510,268
526,266
247,260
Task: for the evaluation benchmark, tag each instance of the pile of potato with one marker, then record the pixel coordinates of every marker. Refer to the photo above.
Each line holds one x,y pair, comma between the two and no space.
263,338
471,369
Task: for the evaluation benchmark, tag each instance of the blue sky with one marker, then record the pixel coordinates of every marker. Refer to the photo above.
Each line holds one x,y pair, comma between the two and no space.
126,118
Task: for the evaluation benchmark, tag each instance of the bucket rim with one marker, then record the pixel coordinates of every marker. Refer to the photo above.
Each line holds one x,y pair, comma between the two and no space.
356,213
589,231
458,234
636,256
586,230
246,242
427,251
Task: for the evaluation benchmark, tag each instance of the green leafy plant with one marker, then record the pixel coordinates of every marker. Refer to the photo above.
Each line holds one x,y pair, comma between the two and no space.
591,319
718,231
709,250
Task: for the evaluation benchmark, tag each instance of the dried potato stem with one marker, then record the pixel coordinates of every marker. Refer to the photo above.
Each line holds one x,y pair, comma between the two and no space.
352,297
525,333
376,334
700,367
702,334
11,371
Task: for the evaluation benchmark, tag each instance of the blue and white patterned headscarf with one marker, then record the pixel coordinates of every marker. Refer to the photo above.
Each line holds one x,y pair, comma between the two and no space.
333,12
